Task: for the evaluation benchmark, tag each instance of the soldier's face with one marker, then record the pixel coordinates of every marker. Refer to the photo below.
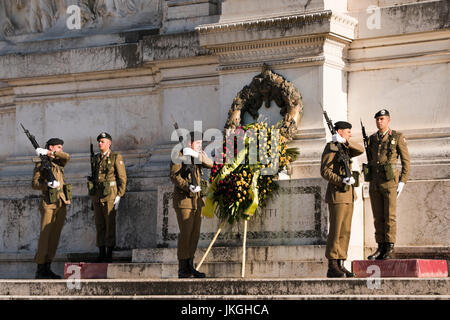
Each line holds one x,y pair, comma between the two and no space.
196,145
104,144
57,147
383,122
345,133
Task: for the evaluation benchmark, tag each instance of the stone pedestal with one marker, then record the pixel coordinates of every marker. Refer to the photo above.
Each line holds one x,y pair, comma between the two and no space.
85,270
406,268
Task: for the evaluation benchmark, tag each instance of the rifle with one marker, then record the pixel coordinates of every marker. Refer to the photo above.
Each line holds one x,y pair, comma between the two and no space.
45,160
341,154
366,166
92,179
190,167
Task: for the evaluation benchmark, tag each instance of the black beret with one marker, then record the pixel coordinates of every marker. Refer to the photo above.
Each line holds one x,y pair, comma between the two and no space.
342,125
54,142
104,135
382,112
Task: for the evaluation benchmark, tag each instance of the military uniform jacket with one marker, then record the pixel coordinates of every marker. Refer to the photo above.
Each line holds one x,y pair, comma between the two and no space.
180,175
110,168
333,171
40,182
386,150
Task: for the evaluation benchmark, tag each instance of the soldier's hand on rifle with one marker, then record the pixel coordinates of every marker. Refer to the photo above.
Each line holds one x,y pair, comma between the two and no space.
42,152
337,138
190,152
116,202
195,189
349,181
54,184
400,188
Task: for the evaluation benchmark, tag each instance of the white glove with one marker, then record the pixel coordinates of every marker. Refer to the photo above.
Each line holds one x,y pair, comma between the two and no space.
400,188
116,202
337,138
349,181
41,151
190,152
195,189
54,184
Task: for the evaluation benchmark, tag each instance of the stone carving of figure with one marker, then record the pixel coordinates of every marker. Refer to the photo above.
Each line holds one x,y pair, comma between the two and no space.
117,8
87,14
6,26
41,15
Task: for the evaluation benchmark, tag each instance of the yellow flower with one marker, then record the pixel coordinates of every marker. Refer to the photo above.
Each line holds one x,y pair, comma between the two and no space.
240,200
239,195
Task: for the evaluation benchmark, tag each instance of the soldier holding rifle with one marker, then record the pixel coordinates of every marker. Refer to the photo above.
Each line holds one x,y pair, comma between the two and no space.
188,201
340,195
107,186
48,177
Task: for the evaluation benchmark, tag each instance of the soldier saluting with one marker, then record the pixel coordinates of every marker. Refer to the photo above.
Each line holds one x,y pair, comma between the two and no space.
340,195
386,183
56,195
106,189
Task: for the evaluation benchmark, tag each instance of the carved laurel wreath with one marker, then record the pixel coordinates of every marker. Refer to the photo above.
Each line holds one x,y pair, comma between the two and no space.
265,87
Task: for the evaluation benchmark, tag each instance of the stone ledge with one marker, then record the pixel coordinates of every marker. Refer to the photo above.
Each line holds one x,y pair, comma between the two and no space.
230,254
253,269
227,287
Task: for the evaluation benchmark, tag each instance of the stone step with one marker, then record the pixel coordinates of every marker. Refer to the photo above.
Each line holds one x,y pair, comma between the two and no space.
254,288
22,265
420,268
253,269
235,297
234,254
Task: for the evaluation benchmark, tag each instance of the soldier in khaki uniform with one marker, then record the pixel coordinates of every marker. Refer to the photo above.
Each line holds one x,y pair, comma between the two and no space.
109,187
386,183
56,196
340,196
188,203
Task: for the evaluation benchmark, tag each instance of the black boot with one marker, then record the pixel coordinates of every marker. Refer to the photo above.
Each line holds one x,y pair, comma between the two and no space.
389,250
377,254
41,272
194,271
109,251
50,273
101,254
184,271
341,266
333,270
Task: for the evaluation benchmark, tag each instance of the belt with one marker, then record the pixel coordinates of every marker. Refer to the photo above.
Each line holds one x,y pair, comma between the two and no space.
111,183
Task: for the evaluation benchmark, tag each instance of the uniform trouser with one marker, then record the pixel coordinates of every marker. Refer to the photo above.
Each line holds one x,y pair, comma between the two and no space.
189,222
105,223
52,222
384,204
340,227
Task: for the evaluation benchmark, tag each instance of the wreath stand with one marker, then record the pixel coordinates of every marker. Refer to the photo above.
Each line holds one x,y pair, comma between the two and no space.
244,245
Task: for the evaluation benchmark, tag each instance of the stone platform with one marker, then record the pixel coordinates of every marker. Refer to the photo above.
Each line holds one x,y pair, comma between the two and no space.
416,268
228,289
225,262
84,270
